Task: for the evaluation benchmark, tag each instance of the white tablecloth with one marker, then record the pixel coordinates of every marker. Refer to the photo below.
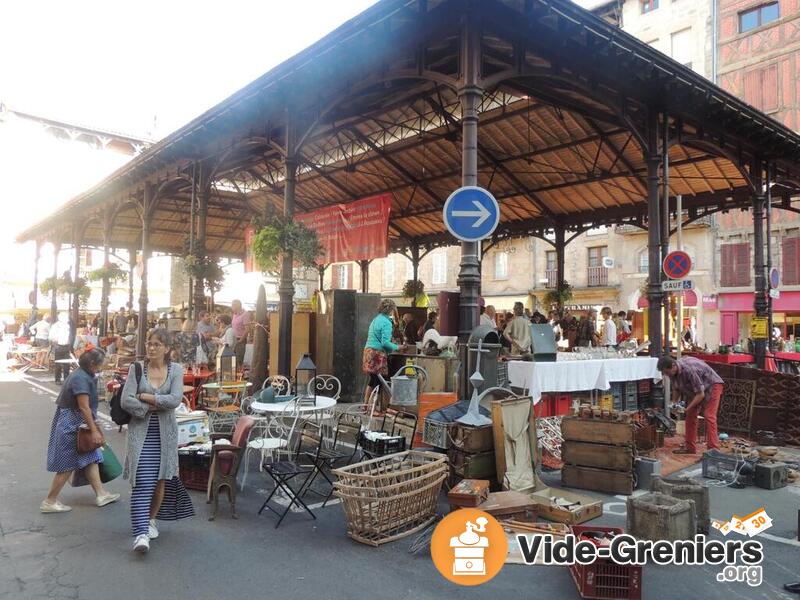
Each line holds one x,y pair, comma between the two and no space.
578,375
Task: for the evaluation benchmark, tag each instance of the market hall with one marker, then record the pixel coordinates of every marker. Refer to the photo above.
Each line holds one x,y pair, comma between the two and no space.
569,122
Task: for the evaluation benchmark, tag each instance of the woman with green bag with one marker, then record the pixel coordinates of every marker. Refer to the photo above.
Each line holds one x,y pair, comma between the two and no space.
76,409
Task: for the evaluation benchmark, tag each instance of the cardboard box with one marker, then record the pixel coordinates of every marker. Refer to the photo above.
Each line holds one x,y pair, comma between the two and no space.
588,509
514,557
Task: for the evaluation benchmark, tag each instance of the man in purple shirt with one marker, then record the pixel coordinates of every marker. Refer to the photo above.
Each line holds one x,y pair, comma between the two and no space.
239,323
701,388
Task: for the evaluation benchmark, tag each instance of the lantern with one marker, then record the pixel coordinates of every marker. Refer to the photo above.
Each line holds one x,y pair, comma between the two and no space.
304,374
226,365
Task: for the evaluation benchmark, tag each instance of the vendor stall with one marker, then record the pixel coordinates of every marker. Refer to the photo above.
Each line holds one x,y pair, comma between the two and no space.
578,375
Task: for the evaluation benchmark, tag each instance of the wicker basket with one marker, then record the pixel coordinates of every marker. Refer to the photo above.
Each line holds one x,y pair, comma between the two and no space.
388,498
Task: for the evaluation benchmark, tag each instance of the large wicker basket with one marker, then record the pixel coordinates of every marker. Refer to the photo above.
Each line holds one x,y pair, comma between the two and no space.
390,497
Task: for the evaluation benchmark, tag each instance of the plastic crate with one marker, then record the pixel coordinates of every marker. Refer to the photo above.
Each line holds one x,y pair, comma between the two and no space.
727,468
382,447
644,386
631,388
436,433
605,579
562,405
543,408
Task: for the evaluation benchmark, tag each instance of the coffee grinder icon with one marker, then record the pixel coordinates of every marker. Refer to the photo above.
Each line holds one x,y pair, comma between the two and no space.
469,549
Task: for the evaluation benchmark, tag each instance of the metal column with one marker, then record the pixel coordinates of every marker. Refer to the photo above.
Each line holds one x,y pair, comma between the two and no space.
769,255
131,265
141,330
760,303
470,95
35,294
106,290
54,294
665,225
203,193
561,246
364,264
286,287
654,294
76,299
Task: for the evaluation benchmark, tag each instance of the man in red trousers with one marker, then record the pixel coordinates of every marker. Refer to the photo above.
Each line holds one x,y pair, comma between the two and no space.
701,388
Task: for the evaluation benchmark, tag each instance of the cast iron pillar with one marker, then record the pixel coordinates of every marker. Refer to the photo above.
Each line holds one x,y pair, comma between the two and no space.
76,298
654,294
131,267
141,330
415,258
106,290
321,275
561,246
768,215
364,264
35,294
54,294
203,193
193,310
470,94
286,287
665,228
760,303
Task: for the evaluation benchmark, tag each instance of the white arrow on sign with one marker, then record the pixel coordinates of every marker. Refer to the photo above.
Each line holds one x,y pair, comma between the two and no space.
481,213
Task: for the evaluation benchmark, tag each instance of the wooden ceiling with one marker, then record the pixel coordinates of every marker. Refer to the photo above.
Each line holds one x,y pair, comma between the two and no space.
375,108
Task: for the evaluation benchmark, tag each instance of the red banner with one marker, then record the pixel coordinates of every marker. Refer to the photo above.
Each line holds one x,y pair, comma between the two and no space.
355,231
249,257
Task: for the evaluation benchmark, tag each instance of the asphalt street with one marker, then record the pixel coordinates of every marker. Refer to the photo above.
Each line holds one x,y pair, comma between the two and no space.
86,554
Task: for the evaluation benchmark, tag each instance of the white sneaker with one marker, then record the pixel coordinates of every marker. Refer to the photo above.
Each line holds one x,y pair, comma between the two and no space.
152,530
106,499
53,507
141,544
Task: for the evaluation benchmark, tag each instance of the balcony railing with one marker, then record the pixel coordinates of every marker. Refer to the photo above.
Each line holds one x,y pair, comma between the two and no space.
597,276
552,279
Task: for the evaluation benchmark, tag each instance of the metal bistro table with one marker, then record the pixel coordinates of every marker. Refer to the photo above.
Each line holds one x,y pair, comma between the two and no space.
273,408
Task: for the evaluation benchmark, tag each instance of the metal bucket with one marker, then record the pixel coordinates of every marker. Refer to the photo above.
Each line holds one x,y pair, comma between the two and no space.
404,390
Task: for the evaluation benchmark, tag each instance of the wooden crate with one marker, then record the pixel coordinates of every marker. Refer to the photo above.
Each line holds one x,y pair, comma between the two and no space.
588,509
510,504
597,431
598,480
602,456
472,439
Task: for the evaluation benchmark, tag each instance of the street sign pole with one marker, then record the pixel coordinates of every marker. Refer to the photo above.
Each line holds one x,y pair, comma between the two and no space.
679,328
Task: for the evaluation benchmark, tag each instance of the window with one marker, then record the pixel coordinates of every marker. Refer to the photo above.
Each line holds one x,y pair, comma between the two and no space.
649,5
758,16
644,261
439,268
388,273
501,265
596,255
790,248
735,264
342,277
681,49
409,270
552,260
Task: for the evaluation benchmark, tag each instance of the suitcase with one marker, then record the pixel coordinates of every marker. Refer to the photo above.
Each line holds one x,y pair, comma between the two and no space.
510,504
468,438
472,466
469,492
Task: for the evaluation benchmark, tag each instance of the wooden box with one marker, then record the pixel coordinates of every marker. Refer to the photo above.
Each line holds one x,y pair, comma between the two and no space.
510,504
602,456
480,465
472,439
587,508
597,431
558,530
598,480
469,492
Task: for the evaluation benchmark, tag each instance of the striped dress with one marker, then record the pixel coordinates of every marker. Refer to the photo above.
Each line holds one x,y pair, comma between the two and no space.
176,504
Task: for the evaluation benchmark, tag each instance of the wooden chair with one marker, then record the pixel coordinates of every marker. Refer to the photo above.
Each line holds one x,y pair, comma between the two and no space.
225,464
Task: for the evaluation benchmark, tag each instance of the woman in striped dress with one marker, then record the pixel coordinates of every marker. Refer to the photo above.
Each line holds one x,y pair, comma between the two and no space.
76,406
151,461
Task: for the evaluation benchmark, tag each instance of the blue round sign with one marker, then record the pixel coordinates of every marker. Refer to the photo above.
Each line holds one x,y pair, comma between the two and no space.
774,278
471,213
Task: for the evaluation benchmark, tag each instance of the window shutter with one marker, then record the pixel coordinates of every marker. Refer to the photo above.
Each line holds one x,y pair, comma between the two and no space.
726,274
742,264
350,270
791,256
770,87
753,91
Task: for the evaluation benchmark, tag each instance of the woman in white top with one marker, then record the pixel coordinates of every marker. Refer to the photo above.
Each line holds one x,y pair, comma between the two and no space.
608,332
227,339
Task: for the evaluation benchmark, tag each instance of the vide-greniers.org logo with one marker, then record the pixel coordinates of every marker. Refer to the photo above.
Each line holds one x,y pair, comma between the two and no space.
624,549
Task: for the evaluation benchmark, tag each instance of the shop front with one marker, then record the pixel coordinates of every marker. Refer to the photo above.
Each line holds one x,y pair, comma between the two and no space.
736,311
